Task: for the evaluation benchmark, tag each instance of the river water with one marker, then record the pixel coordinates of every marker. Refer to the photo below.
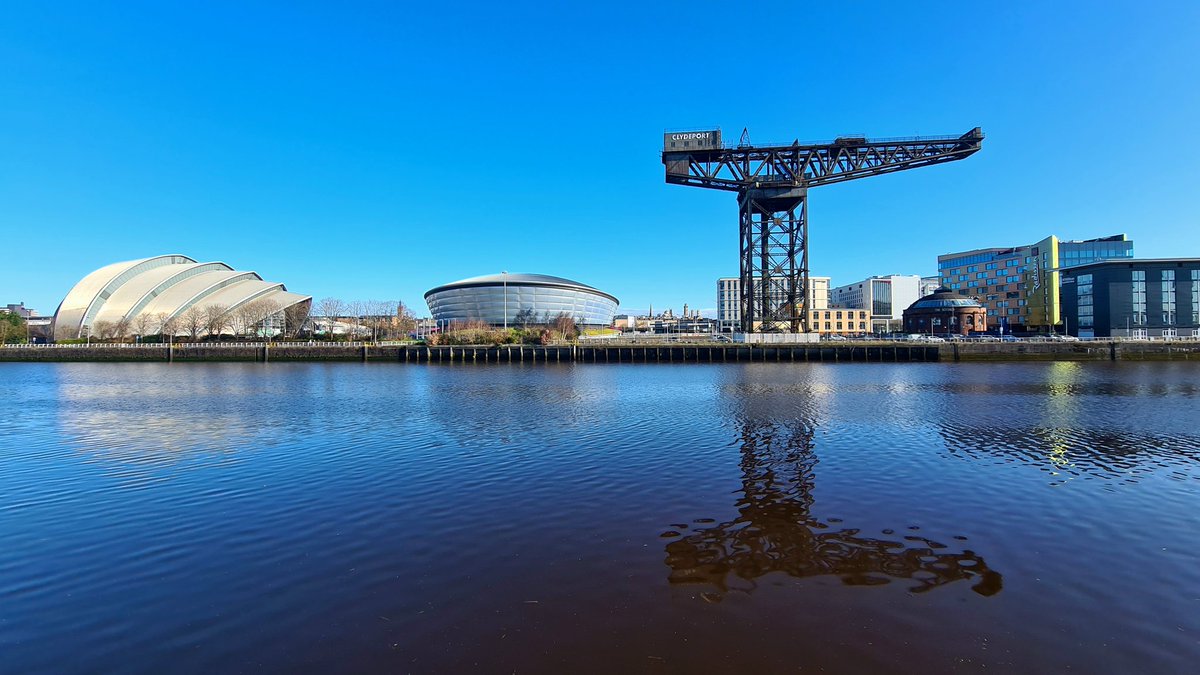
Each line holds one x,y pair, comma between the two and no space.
580,518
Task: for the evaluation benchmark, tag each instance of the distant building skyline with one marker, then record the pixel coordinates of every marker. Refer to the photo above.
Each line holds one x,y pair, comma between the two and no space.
364,153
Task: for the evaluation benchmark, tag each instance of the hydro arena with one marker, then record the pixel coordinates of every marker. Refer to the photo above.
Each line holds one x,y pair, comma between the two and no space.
520,298
165,287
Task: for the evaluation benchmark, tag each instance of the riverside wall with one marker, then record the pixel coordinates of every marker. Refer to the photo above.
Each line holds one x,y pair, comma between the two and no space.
616,353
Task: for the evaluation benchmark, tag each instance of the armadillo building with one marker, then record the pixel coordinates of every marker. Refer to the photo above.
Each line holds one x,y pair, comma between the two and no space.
492,298
165,288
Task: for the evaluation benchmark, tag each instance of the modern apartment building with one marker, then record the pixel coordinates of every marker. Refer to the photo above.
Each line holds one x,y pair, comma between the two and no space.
1133,298
886,297
1019,286
729,312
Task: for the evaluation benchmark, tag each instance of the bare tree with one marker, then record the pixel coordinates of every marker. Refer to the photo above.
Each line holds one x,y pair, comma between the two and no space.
168,325
142,324
329,309
564,326
295,316
103,329
267,311
192,322
121,328
525,317
217,319
356,309
406,321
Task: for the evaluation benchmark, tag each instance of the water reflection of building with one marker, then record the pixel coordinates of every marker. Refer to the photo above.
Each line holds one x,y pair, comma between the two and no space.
775,530
137,418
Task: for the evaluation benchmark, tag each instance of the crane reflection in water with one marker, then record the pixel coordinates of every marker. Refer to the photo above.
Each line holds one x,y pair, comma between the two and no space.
775,530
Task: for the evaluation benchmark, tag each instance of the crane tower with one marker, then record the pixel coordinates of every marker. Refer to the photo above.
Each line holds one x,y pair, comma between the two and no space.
772,185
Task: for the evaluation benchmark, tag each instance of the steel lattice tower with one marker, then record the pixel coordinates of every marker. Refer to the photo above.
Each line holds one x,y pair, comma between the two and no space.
772,185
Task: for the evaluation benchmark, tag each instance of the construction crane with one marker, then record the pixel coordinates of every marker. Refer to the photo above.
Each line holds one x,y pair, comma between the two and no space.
772,185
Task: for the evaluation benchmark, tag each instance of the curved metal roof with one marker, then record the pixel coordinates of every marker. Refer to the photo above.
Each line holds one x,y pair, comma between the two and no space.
87,298
167,284
944,297
519,279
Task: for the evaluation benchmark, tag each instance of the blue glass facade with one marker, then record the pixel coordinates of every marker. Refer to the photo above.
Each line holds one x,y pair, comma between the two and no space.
523,298
1072,253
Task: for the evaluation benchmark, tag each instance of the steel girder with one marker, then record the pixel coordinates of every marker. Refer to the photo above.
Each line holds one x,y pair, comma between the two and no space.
736,169
772,184
774,260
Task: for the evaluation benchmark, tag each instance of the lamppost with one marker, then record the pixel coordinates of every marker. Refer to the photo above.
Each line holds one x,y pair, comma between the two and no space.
504,275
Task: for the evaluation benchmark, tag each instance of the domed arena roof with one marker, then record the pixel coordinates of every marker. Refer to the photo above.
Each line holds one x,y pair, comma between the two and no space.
944,297
164,287
544,280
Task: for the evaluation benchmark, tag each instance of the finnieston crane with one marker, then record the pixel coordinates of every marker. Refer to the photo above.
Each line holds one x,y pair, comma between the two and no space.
772,185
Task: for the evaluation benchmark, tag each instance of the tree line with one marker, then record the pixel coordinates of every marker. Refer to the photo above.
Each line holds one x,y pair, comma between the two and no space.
526,328
259,318
360,319
12,327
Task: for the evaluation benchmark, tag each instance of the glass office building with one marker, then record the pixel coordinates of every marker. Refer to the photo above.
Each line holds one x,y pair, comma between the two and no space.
517,299
1018,286
1087,251
1132,298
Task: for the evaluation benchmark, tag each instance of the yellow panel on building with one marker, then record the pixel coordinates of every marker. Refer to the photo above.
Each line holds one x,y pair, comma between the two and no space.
1042,307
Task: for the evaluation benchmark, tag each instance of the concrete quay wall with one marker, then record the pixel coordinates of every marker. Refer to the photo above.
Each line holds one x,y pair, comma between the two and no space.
642,353
614,353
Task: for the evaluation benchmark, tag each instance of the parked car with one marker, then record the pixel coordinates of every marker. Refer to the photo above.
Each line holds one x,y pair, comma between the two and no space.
836,338
1064,338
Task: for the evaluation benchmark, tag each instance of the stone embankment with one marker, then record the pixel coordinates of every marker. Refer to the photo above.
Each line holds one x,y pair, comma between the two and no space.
883,352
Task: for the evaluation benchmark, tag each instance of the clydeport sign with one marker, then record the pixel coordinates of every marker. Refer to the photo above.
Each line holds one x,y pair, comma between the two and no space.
683,141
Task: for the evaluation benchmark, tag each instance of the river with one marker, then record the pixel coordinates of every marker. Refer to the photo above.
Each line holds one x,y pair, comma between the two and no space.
356,517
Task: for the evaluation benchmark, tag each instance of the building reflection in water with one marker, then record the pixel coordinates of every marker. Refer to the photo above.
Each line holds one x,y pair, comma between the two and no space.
775,530
1052,425
140,428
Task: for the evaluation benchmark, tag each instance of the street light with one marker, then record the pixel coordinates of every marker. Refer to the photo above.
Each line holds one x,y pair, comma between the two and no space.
504,275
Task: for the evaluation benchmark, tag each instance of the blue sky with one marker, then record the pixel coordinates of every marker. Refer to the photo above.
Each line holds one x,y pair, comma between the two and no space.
375,150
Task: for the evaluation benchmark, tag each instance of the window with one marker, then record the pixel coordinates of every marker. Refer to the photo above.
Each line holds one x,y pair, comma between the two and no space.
839,325
839,315
990,266
828,326
1013,311
1168,297
1013,280
1083,294
1137,291
1195,296
973,268
1012,263
981,275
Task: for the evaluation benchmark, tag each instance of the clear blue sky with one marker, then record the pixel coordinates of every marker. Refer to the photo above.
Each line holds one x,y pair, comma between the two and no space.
375,150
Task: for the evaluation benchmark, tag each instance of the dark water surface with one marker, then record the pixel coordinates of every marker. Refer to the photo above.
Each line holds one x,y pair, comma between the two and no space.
726,518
